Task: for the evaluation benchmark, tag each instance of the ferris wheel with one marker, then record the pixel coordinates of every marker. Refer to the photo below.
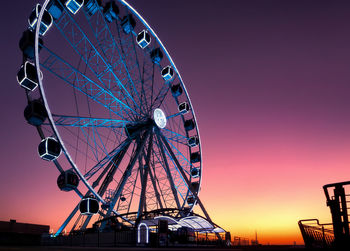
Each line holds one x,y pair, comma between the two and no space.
112,111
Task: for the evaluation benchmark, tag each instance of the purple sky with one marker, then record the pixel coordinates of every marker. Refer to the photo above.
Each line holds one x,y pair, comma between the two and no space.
269,80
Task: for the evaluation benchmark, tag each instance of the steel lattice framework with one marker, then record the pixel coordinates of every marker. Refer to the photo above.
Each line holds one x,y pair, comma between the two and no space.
100,89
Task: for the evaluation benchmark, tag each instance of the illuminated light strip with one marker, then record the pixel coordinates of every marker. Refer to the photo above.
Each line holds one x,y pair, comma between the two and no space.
139,232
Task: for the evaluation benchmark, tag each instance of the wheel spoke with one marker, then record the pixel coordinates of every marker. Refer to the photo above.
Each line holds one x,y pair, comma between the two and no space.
75,121
106,159
159,98
183,160
185,176
93,148
167,169
81,82
78,40
109,48
145,176
174,136
127,172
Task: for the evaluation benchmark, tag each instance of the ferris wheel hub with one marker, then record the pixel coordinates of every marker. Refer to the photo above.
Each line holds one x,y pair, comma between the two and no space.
159,118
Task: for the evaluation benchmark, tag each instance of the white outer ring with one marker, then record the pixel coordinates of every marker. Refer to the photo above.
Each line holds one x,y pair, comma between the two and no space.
42,92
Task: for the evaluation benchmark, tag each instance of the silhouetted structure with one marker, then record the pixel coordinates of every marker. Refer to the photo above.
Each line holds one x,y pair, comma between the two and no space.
14,233
240,241
255,242
335,234
339,205
161,227
316,235
155,161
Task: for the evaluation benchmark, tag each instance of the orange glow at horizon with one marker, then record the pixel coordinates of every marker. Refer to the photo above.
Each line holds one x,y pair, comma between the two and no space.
269,83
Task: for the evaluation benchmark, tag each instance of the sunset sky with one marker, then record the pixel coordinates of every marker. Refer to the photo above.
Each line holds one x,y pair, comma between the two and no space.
270,85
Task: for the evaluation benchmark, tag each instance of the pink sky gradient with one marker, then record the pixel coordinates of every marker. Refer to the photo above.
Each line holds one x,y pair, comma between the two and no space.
270,84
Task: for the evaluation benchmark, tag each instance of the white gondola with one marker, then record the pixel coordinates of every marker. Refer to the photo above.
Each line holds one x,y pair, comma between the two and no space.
184,108
89,206
111,11
46,21
68,181
49,149
195,157
193,141
194,172
143,39
35,113
167,73
74,5
27,76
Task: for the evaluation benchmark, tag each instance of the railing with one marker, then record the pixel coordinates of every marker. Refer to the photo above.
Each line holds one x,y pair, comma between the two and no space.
337,234
316,235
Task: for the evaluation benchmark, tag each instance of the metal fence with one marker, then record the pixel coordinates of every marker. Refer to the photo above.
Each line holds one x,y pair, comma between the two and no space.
316,235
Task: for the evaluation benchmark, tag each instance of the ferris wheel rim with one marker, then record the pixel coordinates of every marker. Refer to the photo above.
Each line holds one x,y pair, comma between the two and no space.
52,122
50,118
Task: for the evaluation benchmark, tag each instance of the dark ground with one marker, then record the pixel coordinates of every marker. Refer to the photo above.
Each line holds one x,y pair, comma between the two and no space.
262,248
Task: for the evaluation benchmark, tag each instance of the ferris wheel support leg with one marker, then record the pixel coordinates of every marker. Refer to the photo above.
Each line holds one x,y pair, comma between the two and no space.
76,223
187,180
155,188
69,218
126,174
145,178
112,166
115,165
119,156
154,184
132,194
65,223
157,185
167,169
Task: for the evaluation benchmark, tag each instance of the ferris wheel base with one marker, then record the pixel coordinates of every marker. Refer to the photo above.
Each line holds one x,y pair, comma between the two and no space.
160,227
